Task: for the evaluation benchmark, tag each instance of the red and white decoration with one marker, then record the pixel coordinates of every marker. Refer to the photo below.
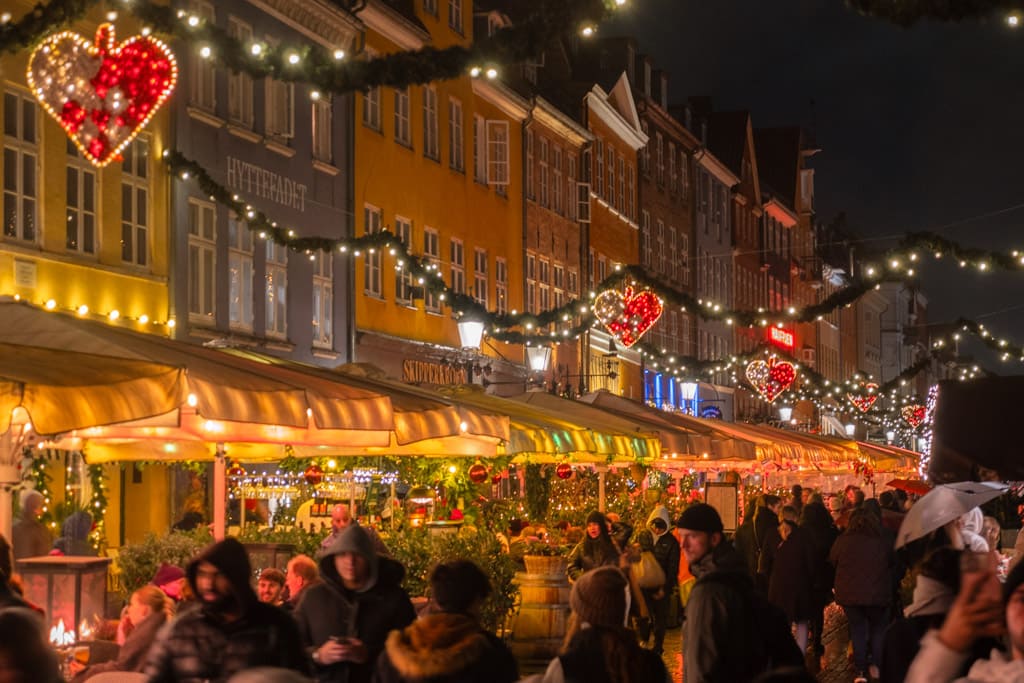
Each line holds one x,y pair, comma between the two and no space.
863,402
102,93
628,315
770,378
914,415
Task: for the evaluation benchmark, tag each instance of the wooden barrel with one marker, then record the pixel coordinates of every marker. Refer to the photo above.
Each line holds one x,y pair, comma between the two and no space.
544,608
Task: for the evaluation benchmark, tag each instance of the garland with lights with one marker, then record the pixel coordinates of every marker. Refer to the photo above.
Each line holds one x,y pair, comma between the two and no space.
97,506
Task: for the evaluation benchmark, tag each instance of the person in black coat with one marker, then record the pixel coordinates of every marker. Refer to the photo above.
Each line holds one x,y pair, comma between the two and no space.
743,541
790,587
766,539
345,620
597,549
821,534
448,645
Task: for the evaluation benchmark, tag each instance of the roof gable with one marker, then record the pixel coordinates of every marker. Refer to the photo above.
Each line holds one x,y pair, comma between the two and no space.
621,97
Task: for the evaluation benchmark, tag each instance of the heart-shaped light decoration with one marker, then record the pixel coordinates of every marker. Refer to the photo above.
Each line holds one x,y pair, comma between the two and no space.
865,401
770,378
914,415
627,315
102,94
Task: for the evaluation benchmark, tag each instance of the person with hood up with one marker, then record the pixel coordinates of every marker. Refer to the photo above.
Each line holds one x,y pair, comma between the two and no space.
666,550
597,549
972,524
29,536
346,618
731,633
448,645
229,630
74,535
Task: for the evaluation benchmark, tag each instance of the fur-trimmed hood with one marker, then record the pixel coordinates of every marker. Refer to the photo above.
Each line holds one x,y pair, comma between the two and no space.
437,645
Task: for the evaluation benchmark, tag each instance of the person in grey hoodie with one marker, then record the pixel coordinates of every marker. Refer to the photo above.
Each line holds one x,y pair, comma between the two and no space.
666,550
345,620
74,539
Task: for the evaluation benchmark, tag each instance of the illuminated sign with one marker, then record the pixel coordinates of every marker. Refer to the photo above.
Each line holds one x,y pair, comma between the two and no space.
780,337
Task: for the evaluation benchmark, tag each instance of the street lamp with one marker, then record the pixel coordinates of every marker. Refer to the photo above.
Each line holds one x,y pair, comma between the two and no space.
890,436
851,429
471,333
688,392
785,413
538,358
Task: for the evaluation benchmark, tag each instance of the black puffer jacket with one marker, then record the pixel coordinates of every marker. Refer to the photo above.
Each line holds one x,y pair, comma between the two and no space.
201,646
330,609
445,648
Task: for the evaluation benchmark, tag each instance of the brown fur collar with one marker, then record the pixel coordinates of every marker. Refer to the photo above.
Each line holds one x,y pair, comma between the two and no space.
436,645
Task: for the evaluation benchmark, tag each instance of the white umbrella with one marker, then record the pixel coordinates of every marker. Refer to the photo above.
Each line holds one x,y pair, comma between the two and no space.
943,504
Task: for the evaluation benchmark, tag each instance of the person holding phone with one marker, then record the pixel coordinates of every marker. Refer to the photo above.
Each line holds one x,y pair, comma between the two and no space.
981,609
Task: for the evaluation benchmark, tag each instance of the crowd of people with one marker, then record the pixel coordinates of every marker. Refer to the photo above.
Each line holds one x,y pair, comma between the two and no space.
752,607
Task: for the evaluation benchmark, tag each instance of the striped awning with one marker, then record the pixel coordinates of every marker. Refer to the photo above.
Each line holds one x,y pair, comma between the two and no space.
63,390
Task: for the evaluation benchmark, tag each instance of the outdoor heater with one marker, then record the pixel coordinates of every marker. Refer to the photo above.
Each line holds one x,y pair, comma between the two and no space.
72,590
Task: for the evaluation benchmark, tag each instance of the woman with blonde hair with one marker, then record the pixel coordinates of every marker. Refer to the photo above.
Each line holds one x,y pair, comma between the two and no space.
148,610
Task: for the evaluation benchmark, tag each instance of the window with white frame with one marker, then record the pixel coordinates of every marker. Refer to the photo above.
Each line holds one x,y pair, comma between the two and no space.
479,149
456,150
610,168
544,287
403,131
372,280
599,171
570,188
21,160
620,203
81,203
500,285
135,202
684,174
280,109
648,238
203,75
558,283
557,191
276,279
432,254
645,151
631,193
672,177
673,257
323,148
480,276
531,282
572,287
542,175
403,276
240,274
659,247
202,260
323,301
371,108
659,159
602,268
430,7
430,125
530,190
239,83
457,262
455,15
497,152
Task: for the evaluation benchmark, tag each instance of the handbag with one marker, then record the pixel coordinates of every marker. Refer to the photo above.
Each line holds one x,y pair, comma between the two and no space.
648,572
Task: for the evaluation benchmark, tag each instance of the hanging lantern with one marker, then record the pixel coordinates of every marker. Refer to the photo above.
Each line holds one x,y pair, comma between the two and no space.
235,470
563,470
478,474
313,474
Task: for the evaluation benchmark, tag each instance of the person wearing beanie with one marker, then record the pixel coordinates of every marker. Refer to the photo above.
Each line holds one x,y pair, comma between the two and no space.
666,550
981,609
448,644
598,648
346,618
228,630
597,549
731,631
29,536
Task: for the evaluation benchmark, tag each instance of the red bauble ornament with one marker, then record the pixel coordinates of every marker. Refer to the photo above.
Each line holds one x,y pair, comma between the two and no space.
863,402
770,378
478,474
914,415
101,93
313,474
627,315
235,470
563,470
496,479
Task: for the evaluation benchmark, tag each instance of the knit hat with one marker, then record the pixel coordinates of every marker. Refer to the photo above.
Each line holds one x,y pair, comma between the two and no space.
167,573
700,517
599,597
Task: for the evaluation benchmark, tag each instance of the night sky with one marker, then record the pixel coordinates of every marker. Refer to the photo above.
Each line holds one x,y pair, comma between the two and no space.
920,128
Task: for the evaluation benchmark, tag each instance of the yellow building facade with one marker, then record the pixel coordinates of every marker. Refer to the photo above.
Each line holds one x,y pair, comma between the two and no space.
440,166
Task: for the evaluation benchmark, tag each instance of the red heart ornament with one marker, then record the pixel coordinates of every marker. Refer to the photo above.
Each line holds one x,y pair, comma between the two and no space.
627,315
770,378
102,94
864,402
914,415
